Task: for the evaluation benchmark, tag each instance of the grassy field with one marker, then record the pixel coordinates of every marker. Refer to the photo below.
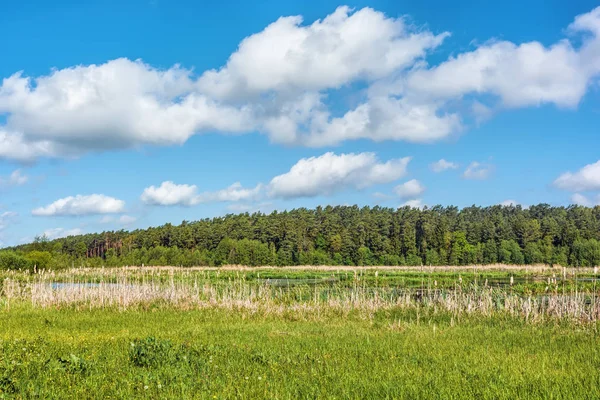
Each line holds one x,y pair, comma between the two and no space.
276,333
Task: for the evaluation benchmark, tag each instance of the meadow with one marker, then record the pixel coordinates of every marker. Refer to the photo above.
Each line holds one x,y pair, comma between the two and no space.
304,332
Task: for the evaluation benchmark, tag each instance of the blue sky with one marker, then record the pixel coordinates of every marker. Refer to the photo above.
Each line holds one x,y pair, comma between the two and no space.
129,114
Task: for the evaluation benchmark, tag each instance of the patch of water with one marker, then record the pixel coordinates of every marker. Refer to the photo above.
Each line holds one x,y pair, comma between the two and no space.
283,282
83,285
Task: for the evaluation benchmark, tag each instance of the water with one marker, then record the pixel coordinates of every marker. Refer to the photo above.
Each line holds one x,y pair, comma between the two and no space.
284,282
84,285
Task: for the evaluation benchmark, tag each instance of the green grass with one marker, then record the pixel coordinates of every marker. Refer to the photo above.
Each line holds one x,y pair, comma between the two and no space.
215,353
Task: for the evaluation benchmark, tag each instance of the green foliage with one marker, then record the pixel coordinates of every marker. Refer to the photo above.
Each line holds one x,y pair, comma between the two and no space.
11,260
341,235
40,259
586,253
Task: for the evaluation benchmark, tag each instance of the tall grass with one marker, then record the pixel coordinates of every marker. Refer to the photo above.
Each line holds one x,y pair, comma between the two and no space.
125,288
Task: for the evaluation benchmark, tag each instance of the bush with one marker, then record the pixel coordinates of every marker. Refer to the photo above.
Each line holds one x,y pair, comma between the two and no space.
11,260
40,259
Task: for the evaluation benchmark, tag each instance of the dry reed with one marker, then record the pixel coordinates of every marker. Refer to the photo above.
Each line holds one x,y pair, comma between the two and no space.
125,288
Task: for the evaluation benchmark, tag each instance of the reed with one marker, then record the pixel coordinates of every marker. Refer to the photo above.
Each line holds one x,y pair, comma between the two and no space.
184,289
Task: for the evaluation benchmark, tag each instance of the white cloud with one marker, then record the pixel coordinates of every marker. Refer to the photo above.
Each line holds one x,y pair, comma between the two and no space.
442,165
520,75
381,118
410,189
414,203
16,178
587,178
170,194
343,47
264,85
57,233
235,192
278,82
82,205
14,146
507,203
478,171
118,104
330,173
579,199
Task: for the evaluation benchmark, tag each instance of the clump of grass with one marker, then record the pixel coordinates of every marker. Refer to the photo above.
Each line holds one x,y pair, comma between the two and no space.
151,352
74,364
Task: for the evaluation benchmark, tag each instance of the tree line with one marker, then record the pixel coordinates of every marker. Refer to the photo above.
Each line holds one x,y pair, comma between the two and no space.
338,235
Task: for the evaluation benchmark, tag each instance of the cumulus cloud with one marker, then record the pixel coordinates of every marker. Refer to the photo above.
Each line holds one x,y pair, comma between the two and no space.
170,194
118,104
414,203
278,82
509,202
442,165
587,178
409,190
57,233
478,171
309,177
235,192
81,205
16,147
341,48
379,119
330,173
520,75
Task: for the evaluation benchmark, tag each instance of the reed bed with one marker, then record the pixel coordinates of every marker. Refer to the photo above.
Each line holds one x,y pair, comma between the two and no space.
126,288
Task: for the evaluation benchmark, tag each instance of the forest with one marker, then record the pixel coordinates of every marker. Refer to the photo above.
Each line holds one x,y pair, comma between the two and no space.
338,235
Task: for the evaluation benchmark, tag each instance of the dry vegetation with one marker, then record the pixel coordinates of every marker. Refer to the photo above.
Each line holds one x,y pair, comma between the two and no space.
364,290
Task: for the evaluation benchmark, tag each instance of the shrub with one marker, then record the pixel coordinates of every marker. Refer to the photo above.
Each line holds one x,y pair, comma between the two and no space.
11,260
